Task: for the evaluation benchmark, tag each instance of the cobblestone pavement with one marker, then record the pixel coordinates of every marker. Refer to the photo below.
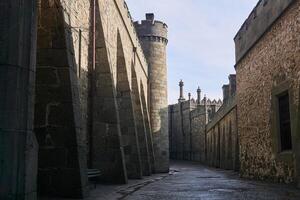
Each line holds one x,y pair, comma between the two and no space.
189,180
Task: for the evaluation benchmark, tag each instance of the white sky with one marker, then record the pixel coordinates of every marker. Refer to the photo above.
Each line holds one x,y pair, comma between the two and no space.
201,48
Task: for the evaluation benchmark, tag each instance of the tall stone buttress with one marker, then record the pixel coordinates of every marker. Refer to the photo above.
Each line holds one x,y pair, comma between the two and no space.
153,38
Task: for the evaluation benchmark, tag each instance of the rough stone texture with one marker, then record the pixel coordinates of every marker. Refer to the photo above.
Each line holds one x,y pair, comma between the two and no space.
148,130
84,113
187,128
261,18
198,146
127,122
272,63
153,36
180,131
107,148
62,149
222,138
179,118
206,130
141,128
17,74
113,22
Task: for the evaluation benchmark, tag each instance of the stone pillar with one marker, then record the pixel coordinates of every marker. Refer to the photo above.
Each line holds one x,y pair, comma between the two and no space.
141,127
189,96
226,94
181,98
198,96
153,37
232,84
107,152
18,147
127,123
57,124
148,130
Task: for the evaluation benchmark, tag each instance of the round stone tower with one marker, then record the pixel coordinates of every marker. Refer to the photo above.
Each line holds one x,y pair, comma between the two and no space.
153,38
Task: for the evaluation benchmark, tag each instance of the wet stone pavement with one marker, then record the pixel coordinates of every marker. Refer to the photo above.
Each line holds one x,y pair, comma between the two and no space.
189,180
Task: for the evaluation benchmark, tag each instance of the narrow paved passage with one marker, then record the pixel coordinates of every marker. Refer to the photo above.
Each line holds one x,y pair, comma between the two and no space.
193,181
189,181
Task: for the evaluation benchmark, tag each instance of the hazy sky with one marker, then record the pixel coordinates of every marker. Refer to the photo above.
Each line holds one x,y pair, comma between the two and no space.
201,47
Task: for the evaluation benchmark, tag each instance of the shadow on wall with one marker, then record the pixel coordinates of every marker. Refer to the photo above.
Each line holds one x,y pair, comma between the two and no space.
161,143
57,121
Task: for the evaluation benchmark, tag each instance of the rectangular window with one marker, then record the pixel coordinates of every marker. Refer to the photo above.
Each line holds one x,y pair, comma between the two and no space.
285,122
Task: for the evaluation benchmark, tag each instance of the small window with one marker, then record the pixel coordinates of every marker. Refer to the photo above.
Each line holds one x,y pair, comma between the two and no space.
284,122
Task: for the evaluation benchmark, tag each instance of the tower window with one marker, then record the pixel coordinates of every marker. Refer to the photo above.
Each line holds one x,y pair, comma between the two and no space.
284,122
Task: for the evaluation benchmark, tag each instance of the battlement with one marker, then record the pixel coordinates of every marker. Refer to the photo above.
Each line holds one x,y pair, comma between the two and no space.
151,29
262,17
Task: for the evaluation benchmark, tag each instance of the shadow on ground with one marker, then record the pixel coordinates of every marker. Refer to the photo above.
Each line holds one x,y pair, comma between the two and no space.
188,180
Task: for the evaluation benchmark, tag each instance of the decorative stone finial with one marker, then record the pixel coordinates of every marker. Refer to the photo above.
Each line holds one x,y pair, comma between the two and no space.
198,95
181,98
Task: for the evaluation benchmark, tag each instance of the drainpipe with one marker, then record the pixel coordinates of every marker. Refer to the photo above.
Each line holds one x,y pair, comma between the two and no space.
94,34
91,77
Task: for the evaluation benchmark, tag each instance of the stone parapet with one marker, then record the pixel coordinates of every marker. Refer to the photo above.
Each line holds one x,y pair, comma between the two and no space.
151,27
129,24
259,21
222,112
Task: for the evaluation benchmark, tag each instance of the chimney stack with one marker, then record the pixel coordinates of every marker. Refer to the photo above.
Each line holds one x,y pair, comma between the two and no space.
232,84
225,93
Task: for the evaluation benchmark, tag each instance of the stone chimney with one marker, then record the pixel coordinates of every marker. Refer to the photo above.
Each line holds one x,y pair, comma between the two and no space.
232,84
225,93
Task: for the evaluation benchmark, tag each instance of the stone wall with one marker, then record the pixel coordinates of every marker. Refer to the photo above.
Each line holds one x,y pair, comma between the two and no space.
198,142
222,137
187,128
271,66
58,122
264,14
179,130
153,37
77,17
18,146
86,114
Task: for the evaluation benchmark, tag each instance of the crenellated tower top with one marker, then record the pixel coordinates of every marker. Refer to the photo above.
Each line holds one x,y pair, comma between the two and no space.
152,30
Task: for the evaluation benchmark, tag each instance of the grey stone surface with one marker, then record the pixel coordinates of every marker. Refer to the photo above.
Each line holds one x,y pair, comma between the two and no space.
148,130
259,21
141,127
187,126
62,160
106,140
17,65
83,113
270,65
192,181
128,126
153,37
206,130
